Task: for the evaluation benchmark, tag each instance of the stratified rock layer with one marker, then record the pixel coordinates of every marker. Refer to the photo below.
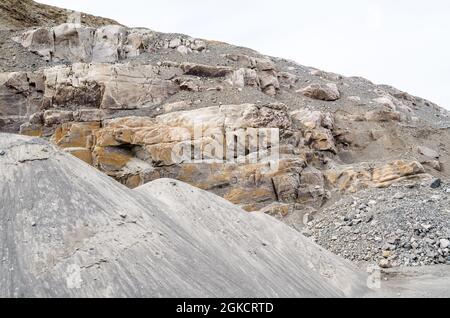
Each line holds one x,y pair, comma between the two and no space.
131,102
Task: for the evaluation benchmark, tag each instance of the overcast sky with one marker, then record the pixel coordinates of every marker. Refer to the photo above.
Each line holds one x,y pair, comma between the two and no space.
404,43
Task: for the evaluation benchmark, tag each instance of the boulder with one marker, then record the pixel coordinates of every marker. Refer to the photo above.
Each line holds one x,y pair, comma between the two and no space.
286,186
325,92
427,152
321,139
386,175
40,41
108,44
313,119
354,178
73,42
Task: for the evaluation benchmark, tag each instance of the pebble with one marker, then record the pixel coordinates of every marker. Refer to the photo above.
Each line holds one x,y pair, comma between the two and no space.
2,153
436,198
444,243
436,183
384,263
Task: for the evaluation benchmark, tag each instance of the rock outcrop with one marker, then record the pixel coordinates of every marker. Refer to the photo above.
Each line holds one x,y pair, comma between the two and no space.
264,133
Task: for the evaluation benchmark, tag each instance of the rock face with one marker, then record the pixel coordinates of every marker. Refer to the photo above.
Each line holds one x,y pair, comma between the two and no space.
107,44
264,133
167,239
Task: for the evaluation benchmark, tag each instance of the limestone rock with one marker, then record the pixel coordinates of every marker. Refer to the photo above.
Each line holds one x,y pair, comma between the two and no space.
76,135
286,187
435,164
325,92
313,119
356,178
107,46
55,117
78,43
72,42
427,152
385,175
321,140
97,86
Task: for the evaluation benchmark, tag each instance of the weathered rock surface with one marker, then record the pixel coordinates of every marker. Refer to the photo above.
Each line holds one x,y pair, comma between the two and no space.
77,43
137,121
131,101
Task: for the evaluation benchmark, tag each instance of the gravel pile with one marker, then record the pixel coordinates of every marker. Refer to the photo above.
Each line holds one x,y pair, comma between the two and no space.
405,225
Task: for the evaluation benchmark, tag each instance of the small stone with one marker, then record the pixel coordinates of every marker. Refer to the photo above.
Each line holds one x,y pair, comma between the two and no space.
399,196
123,215
436,198
389,247
33,224
384,263
436,183
363,206
307,218
387,254
444,243
2,153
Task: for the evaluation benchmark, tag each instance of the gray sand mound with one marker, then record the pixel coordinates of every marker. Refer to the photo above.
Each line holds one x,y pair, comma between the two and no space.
68,230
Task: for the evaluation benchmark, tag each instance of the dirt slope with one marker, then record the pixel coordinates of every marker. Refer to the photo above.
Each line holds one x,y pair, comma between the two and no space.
18,14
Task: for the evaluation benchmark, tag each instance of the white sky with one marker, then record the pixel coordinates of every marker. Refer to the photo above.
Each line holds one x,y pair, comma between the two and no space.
404,43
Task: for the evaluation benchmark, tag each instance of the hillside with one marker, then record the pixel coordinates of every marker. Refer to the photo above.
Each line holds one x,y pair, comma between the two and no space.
360,168
17,14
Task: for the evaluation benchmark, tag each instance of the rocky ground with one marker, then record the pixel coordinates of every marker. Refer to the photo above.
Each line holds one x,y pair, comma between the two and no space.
409,225
356,158
18,14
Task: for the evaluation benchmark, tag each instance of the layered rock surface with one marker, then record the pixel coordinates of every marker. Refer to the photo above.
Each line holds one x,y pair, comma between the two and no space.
129,102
